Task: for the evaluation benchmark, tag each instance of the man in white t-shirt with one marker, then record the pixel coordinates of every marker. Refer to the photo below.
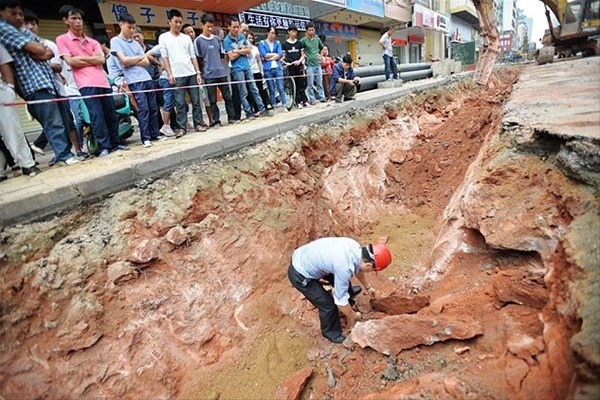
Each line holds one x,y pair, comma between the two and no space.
179,59
10,125
391,69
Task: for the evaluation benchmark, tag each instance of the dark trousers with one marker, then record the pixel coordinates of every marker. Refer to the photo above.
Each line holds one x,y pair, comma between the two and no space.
103,116
147,110
346,90
181,104
235,98
261,89
313,290
223,86
300,81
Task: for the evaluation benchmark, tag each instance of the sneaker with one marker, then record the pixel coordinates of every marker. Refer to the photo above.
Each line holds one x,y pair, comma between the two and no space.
167,131
82,154
52,161
250,117
307,105
104,153
256,114
349,98
37,150
31,171
163,138
3,178
73,160
121,147
201,128
300,105
215,124
146,143
234,121
338,100
322,101
179,133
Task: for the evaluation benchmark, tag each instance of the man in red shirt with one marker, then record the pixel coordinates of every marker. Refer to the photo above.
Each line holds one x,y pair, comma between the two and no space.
85,56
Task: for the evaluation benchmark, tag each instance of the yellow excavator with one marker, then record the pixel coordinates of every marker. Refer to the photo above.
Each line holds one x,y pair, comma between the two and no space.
578,30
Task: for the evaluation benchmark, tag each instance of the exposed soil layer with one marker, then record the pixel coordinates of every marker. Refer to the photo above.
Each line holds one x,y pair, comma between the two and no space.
178,288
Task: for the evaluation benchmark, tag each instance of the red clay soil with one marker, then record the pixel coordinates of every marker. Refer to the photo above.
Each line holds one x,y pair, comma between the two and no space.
111,307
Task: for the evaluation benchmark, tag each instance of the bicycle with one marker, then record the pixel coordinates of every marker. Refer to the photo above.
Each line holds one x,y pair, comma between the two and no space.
289,87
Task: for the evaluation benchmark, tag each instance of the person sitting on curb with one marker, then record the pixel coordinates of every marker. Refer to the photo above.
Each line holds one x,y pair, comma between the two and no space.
343,81
335,260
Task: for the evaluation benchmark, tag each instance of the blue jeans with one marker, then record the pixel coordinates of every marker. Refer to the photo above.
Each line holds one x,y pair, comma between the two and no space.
168,96
75,106
147,110
269,75
315,77
181,103
390,67
53,123
248,76
103,117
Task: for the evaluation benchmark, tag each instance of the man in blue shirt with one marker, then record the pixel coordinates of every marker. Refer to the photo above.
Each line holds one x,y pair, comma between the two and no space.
343,81
335,260
237,48
133,63
34,78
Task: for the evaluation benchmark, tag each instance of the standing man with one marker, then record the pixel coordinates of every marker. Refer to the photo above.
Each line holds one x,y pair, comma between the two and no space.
293,55
237,48
179,59
133,62
10,126
312,49
336,260
210,52
343,81
34,78
391,69
86,58
191,32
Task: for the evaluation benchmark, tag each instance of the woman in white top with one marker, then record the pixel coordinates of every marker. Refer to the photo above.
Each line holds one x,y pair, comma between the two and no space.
257,70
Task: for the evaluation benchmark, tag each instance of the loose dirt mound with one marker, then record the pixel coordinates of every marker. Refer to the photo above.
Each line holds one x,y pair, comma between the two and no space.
178,288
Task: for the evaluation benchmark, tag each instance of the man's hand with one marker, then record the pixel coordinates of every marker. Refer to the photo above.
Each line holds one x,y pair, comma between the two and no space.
171,79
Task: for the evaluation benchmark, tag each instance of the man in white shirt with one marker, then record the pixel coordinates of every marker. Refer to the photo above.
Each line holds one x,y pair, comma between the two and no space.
391,69
179,59
335,260
10,125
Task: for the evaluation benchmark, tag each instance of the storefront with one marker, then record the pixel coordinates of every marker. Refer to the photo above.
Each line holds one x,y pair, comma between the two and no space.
339,38
278,14
434,27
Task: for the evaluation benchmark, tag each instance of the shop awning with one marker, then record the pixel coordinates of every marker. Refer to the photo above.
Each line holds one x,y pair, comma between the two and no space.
220,6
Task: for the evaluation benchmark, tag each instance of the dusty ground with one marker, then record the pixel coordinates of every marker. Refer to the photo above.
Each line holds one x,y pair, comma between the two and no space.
178,288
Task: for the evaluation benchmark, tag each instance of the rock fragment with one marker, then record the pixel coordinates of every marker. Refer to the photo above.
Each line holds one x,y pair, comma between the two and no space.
176,235
291,388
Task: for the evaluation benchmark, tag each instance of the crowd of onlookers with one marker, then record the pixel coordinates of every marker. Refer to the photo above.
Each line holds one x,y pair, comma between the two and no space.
69,84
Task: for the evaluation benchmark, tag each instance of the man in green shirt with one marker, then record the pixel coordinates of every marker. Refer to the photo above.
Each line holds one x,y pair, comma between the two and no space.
312,49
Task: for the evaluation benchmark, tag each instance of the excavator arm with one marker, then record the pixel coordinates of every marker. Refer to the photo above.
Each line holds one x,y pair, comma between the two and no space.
491,41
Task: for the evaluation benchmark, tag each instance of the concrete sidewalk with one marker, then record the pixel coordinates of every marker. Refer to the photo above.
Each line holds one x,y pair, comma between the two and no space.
24,199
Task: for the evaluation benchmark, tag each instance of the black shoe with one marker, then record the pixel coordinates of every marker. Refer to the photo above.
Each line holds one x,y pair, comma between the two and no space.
32,171
337,339
3,178
338,100
349,99
354,290
215,123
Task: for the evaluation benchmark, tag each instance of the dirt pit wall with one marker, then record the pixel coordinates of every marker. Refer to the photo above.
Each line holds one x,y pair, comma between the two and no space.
178,288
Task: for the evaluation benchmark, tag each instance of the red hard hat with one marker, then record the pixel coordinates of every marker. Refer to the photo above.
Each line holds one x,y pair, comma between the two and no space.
383,256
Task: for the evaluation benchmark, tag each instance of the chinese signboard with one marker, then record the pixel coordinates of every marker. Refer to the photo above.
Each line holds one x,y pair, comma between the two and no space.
426,18
334,29
264,21
371,7
145,15
283,8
